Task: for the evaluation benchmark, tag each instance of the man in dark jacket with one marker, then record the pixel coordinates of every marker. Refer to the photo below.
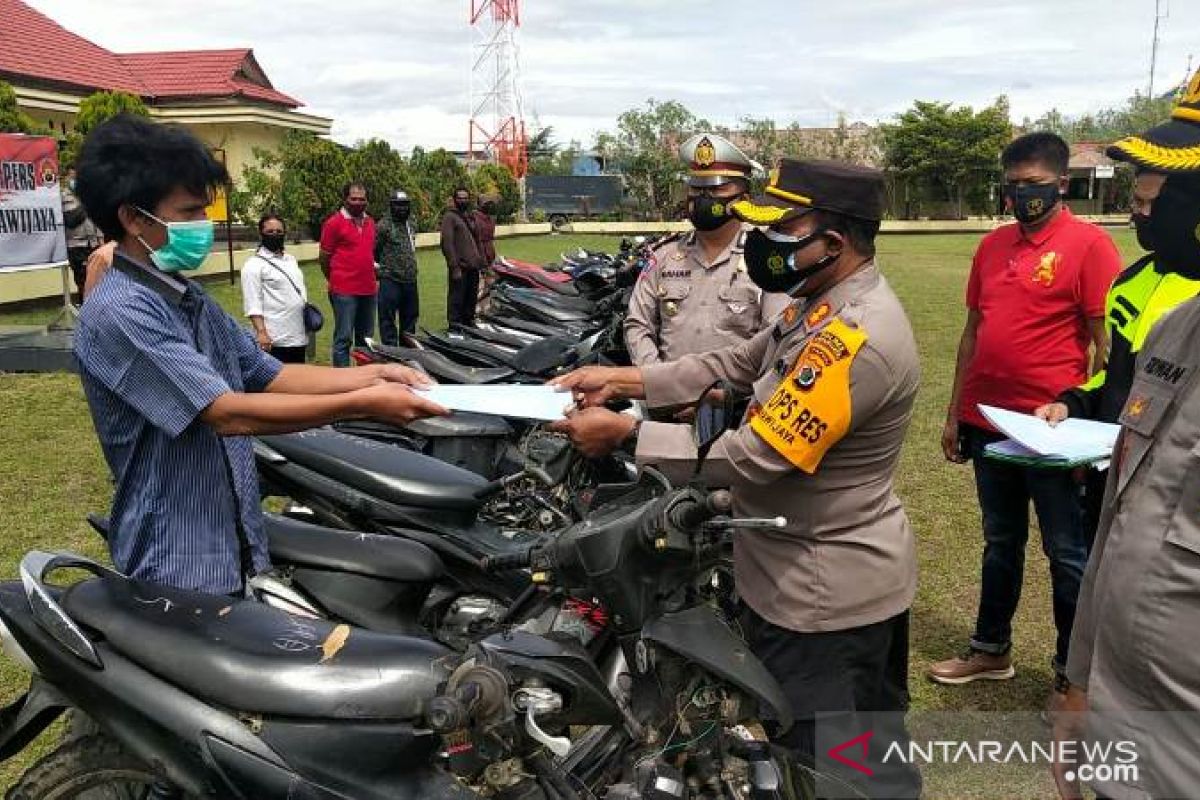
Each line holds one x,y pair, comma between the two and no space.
485,226
464,258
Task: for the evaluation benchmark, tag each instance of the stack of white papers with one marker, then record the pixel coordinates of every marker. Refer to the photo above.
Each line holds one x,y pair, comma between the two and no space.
523,401
1072,441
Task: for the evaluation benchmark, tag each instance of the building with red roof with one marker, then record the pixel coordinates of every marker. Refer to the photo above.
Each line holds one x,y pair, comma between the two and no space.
224,96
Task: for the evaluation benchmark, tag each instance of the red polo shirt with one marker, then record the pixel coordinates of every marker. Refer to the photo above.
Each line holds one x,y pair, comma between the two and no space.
1034,294
351,248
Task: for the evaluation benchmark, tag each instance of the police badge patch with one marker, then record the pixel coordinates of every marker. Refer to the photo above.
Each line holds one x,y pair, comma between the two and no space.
806,377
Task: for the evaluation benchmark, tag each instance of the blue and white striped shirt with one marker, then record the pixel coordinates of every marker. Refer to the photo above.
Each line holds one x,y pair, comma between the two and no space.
155,351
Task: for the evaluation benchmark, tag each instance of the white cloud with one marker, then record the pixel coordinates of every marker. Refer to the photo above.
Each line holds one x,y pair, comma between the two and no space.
398,69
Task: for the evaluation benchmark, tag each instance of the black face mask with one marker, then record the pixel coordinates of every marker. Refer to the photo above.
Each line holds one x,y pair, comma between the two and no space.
1175,227
772,266
709,213
400,213
463,205
1145,236
273,241
1031,202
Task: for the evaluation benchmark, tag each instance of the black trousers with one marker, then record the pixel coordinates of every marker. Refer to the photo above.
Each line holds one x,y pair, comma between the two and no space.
462,297
1093,504
397,301
77,258
842,684
290,355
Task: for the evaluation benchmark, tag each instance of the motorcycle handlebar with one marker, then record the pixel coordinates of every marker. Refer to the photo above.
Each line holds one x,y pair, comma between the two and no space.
506,561
689,516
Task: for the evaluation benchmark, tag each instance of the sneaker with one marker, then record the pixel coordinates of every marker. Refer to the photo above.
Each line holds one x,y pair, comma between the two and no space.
973,665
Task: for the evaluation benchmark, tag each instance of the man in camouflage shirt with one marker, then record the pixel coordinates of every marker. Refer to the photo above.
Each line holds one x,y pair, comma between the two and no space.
396,261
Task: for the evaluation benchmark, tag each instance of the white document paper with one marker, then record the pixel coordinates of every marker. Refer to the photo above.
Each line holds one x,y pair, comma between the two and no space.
524,401
1072,439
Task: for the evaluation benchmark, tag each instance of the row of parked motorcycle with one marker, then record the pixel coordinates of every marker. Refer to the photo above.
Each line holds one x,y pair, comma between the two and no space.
461,607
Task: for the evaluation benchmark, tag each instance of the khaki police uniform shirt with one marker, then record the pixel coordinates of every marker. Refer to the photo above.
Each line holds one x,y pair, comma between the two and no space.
834,381
682,304
1133,646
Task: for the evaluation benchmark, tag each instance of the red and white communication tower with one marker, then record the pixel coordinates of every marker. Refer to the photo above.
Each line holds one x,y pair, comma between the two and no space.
497,118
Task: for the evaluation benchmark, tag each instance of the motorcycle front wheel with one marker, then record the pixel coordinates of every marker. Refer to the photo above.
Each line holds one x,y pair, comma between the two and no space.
89,768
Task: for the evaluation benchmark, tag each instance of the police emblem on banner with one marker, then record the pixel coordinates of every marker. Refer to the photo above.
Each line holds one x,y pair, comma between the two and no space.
806,377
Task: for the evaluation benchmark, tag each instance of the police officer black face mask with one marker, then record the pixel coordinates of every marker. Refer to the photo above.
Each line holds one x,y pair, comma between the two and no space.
771,260
1174,226
1031,202
709,213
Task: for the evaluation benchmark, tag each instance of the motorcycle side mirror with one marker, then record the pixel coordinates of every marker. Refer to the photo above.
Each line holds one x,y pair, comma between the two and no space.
714,415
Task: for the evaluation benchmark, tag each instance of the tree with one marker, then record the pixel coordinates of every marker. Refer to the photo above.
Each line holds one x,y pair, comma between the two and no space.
95,110
382,170
12,118
1108,124
644,149
436,175
762,140
950,151
302,181
543,152
495,181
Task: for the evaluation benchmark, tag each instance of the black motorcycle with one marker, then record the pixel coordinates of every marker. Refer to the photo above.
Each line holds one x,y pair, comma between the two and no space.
231,699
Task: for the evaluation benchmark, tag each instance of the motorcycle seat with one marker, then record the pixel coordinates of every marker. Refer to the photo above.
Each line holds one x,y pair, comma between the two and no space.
393,558
443,368
565,288
525,325
256,659
580,306
460,424
381,470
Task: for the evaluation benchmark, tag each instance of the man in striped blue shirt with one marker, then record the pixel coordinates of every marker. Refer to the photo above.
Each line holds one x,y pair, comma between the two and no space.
175,387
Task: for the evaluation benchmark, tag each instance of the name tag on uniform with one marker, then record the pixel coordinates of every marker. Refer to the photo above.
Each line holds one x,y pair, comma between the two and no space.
809,411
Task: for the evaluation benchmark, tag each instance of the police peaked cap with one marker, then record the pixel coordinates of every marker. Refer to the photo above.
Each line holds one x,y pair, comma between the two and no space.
797,187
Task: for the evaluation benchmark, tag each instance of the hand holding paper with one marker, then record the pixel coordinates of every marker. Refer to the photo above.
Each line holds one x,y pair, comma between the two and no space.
1070,441
544,403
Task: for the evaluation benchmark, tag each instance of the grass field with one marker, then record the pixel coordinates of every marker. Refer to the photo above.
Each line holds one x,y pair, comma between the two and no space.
52,474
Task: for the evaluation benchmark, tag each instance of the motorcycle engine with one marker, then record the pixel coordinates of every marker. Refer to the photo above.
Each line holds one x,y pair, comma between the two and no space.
467,618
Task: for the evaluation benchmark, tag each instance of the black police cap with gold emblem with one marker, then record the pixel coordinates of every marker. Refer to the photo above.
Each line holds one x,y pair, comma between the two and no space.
1173,146
800,186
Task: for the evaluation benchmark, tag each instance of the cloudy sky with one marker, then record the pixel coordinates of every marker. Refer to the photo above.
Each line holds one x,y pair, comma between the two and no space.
398,69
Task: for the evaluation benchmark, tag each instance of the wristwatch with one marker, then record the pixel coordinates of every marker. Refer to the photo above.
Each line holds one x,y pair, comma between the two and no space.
633,433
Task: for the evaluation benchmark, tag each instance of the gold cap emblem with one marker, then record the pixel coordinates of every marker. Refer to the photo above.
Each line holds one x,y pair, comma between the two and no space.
706,154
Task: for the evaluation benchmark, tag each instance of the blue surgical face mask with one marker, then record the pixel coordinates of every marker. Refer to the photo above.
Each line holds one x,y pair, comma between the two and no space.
188,244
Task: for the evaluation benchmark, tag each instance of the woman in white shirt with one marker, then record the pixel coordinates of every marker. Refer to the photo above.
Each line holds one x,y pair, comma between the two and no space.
273,294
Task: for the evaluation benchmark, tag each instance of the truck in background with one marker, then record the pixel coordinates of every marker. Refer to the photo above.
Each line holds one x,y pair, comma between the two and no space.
563,198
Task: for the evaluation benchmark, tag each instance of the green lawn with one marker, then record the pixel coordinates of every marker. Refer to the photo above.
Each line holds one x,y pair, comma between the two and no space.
51,474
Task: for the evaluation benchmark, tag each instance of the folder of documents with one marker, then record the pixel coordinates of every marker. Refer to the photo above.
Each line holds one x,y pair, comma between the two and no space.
1034,442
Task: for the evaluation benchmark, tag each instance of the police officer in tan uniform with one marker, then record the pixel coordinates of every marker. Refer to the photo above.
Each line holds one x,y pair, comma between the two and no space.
695,295
833,383
1134,667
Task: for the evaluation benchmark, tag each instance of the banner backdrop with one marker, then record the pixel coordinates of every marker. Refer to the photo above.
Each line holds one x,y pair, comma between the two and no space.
31,229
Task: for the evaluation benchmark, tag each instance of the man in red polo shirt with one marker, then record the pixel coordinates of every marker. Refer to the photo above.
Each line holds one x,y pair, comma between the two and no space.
1035,304
348,261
